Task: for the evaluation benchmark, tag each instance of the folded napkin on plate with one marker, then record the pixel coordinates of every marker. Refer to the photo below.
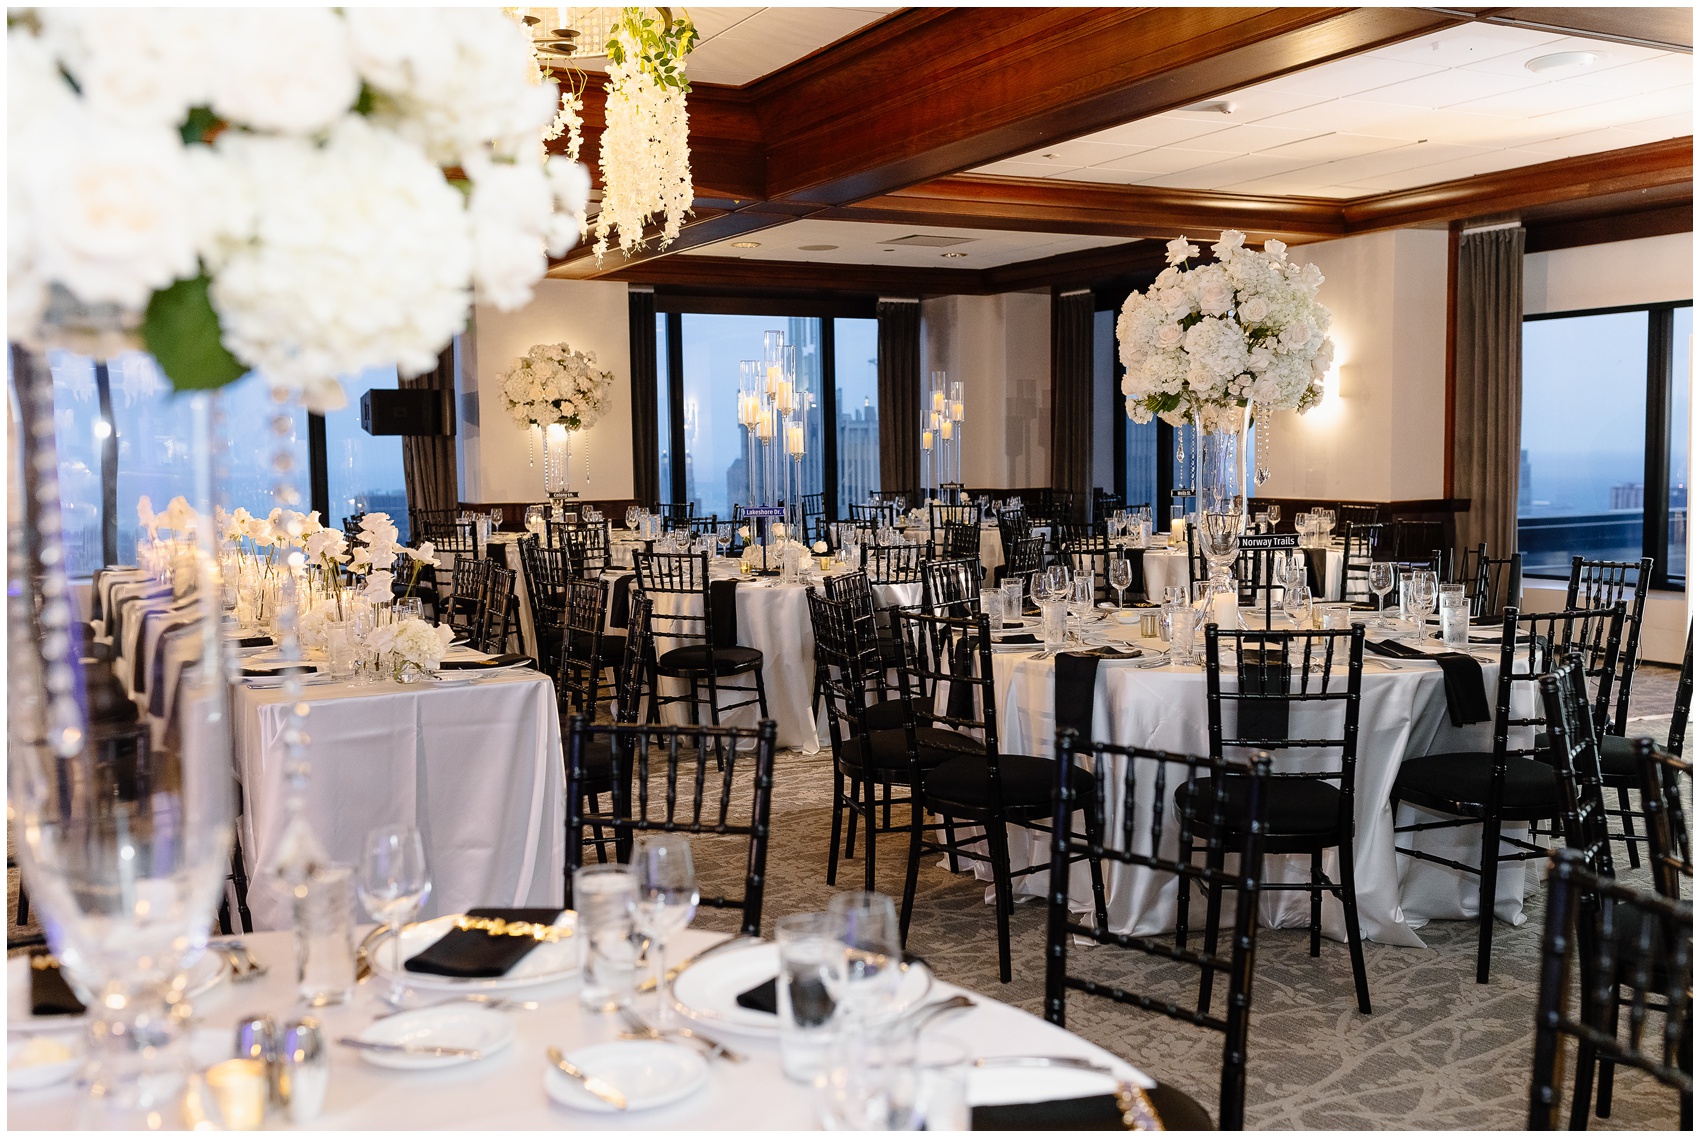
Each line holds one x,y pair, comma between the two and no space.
805,998
1017,638
49,994
279,669
1107,652
253,641
474,954
505,660
1466,699
1094,1112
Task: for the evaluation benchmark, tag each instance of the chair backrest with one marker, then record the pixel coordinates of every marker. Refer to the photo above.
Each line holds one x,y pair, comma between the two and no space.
959,539
546,575
1531,644
873,513
1574,752
1065,532
1282,673
846,665
940,516
676,574
893,564
466,602
1360,514
700,526
1093,555
671,512
1363,541
1629,950
725,773
579,675
1105,503
496,612
444,529
952,653
1601,584
1419,543
1130,821
1491,582
1676,741
1024,557
1668,850
951,587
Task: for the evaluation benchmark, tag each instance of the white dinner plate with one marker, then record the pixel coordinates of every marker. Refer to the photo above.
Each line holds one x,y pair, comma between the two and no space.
708,990
204,975
544,965
649,1072
464,1025
1004,1085
36,1061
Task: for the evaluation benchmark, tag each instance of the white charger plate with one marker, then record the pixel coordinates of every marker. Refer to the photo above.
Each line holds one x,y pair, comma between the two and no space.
707,992
544,965
649,1072
204,975
464,1026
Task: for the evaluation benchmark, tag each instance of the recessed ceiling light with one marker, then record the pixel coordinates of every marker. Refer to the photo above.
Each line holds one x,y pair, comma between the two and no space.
953,254
816,248
1562,61
746,244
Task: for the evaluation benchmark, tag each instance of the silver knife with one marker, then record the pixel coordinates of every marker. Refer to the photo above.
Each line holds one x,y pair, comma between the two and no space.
599,1087
409,1048
1069,1061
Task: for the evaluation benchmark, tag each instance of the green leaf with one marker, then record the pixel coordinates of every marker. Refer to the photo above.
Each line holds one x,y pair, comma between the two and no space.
199,124
363,105
182,332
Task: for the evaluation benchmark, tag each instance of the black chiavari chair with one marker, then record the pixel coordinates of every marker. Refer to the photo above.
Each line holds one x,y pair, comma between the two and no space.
1356,514
1419,544
1669,853
1362,546
1105,503
1491,582
893,564
1130,815
1025,557
729,773
1283,676
951,587
1094,555
1514,781
873,514
958,540
672,512
940,516
579,672
546,573
706,654
496,611
466,601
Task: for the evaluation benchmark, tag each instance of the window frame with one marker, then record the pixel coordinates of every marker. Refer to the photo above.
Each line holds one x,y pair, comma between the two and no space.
1656,449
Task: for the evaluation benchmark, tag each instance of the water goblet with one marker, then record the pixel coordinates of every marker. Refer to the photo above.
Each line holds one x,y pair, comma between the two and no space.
1120,576
1274,512
1425,590
666,902
394,881
1296,603
1381,583
632,516
1082,594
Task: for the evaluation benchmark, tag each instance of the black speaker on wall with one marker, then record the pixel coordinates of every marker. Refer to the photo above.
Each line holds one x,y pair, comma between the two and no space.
389,411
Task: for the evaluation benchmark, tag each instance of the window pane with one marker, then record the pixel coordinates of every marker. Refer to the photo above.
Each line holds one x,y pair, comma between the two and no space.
364,471
716,463
856,360
664,410
1676,547
77,439
1142,456
1583,461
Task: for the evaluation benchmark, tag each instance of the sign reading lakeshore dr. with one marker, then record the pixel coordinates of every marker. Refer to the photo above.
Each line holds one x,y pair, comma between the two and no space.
764,511
1270,541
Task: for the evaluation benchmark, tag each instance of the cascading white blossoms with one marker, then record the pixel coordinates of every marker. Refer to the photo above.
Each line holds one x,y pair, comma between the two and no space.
267,190
554,383
646,155
1247,330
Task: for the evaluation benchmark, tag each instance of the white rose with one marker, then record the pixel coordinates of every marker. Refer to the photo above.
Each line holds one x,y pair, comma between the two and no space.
1180,249
379,585
1296,335
1169,336
1255,310
282,69
1231,242
1215,297
141,66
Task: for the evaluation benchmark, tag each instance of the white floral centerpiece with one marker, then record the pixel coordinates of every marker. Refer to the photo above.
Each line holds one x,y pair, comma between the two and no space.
556,385
410,647
305,192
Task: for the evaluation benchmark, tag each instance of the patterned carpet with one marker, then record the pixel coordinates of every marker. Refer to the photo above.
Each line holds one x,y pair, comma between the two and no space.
1440,1052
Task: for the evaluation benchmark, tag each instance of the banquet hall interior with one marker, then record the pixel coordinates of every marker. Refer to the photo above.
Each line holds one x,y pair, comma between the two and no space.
850,567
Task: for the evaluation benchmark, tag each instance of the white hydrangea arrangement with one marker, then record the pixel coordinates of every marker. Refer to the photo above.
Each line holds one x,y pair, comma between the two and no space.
305,192
411,641
554,383
1203,343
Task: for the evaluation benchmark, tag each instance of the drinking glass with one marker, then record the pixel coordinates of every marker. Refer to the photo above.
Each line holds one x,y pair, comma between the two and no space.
808,952
605,896
901,503
1054,615
324,937
1425,590
1274,512
632,516
899,1082
339,649
534,521
1297,605
1056,582
409,608
1177,525
867,969
1177,595
394,880
1178,624
1381,583
666,902
1454,616
1121,576
991,604
1082,594
1012,600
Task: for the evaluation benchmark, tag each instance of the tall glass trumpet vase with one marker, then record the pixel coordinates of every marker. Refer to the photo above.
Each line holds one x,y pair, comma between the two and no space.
557,459
122,830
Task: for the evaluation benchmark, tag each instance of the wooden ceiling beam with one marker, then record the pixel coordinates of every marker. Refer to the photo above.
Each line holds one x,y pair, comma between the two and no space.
1670,29
705,227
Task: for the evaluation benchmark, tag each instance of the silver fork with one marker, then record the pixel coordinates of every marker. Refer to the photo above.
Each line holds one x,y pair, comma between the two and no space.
244,965
646,1030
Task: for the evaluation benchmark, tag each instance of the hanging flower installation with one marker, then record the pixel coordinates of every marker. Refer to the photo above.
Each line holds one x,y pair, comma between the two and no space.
646,153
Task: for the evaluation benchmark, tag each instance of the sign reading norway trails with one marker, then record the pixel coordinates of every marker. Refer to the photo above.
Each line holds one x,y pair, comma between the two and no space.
764,511
1270,541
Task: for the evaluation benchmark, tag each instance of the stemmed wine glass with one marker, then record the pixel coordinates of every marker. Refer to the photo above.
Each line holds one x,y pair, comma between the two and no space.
722,537
534,519
1295,602
667,900
1274,512
632,516
1381,583
1082,593
864,979
394,881
1425,591
1120,576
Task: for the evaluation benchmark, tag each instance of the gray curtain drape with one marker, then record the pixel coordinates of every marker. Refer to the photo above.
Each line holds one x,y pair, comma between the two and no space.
646,442
428,461
1488,388
1071,395
900,394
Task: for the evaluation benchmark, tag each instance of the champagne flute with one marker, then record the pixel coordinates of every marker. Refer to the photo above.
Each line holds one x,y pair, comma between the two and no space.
394,881
1121,576
1381,583
667,900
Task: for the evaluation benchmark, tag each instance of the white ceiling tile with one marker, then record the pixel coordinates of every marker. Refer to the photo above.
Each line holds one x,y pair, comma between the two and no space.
1218,174
1332,147
1013,168
1463,45
1443,88
1665,126
1254,103
1588,142
1163,130
1088,151
862,243
1162,160
1349,76
1536,99
1610,55
1107,175
1616,112
1294,186
1348,171
1250,139
1358,116
1668,69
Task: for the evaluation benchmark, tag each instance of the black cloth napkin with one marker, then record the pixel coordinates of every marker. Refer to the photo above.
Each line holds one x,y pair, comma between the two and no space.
506,659
808,996
1263,675
49,994
723,612
1077,684
1094,1112
476,955
254,642
1017,638
1316,571
1466,698
620,601
280,670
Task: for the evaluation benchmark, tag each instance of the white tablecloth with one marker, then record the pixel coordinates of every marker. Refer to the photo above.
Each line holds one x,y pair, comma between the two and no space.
476,765
1165,567
1402,715
505,1091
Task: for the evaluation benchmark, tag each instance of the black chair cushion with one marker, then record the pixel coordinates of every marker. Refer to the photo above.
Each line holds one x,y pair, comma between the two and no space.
1460,782
1296,807
695,658
890,748
1027,782
1617,761
1177,1109
613,649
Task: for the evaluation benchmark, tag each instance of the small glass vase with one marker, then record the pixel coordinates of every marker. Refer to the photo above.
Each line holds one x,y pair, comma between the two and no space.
407,672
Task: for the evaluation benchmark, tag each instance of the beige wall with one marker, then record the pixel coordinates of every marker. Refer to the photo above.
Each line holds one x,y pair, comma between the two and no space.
1600,276
1380,433
1000,348
498,463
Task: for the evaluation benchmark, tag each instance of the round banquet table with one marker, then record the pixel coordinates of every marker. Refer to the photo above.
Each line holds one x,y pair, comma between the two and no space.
1402,715
504,1091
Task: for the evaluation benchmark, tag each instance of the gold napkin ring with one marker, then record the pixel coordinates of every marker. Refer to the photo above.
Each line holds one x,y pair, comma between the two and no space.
496,926
1136,1108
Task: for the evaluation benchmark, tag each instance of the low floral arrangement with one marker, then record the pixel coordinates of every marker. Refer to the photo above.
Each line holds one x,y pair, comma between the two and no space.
410,642
1203,343
556,384
304,192
178,517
